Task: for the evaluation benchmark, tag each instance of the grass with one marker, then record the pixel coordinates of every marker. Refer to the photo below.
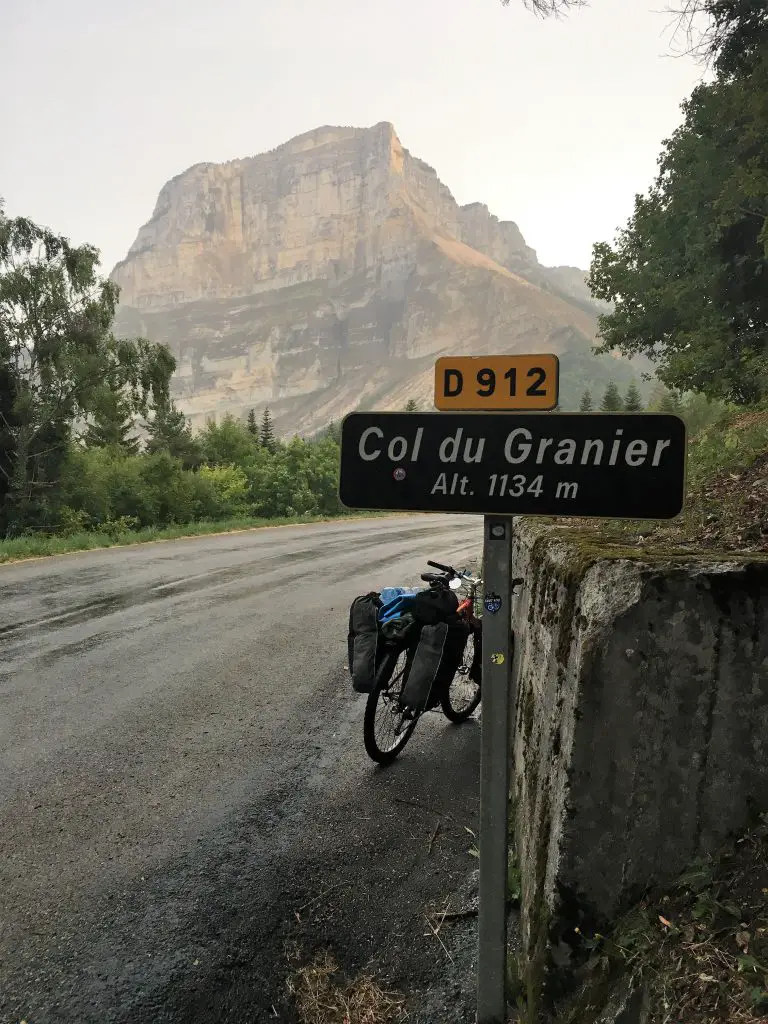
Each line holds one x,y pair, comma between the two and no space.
19,548
700,950
322,997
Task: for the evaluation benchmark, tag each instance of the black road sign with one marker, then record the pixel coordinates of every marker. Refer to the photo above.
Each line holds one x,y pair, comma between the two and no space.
597,465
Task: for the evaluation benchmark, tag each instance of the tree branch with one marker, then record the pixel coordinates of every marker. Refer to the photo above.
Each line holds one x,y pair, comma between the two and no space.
549,8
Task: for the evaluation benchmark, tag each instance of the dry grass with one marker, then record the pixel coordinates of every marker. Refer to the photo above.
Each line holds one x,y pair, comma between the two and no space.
322,997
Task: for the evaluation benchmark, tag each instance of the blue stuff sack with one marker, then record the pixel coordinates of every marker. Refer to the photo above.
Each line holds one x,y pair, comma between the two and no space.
395,601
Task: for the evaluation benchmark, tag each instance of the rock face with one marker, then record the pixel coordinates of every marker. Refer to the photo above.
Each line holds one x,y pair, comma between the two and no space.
328,274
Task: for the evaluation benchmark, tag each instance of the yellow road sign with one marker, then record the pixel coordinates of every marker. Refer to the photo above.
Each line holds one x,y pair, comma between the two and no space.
497,382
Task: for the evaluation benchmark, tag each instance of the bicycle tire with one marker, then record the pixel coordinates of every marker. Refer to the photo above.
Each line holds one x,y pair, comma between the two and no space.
452,710
386,690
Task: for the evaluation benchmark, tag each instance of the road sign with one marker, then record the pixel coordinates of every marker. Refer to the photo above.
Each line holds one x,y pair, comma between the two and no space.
494,383
597,465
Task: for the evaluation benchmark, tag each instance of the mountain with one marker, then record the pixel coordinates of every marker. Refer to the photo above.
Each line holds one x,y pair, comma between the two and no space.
330,273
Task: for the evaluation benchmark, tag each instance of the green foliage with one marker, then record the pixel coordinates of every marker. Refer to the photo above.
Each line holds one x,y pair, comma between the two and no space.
731,442
267,432
229,488
112,425
585,405
688,275
169,431
632,400
611,399
105,485
253,427
699,412
58,362
228,443
333,432
671,403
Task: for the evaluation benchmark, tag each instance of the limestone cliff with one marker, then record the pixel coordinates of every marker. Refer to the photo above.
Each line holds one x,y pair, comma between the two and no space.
328,275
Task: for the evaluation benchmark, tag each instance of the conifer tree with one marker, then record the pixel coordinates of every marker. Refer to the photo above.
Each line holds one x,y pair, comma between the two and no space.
267,437
586,402
633,402
611,399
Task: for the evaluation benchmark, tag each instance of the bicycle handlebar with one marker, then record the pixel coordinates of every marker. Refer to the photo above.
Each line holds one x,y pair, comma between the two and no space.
443,568
459,574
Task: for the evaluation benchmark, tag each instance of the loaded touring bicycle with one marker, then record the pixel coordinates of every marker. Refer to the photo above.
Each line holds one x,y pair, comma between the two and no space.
414,651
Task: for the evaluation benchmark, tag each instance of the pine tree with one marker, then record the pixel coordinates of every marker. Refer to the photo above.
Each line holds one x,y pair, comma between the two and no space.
267,432
632,400
253,427
411,405
112,425
671,403
169,431
586,402
611,399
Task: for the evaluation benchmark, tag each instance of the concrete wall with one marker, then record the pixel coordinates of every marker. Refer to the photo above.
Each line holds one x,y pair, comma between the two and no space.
640,737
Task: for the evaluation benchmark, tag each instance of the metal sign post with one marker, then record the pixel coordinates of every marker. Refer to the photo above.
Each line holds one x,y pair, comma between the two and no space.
494,771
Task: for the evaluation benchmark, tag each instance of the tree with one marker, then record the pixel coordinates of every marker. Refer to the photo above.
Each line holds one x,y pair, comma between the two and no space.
611,399
411,405
112,425
169,431
228,443
725,33
586,402
671,402
253,427
58,361
332,432
267,432
633,402
688,274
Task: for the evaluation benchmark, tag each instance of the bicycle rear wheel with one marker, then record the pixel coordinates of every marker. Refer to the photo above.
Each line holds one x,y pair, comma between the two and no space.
386,727
463,694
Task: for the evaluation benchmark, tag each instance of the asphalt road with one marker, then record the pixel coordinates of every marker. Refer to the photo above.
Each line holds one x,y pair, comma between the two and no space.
184,794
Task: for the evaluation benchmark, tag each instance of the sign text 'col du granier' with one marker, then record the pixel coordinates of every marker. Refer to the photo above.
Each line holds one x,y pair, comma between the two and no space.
593,465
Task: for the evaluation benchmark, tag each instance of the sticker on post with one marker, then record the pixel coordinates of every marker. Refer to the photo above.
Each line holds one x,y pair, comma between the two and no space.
497,659
492,603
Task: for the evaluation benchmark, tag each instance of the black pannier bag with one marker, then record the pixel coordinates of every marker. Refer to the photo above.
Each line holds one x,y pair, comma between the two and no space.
372,648
434,605
362,641
435,661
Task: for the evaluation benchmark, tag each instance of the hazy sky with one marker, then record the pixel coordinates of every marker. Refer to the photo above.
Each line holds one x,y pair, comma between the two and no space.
553,124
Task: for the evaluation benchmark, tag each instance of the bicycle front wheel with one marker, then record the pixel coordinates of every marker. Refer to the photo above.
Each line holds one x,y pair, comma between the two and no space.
386,727
463,695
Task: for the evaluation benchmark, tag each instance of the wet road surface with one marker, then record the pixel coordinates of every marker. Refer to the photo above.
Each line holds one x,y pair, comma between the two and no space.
184,794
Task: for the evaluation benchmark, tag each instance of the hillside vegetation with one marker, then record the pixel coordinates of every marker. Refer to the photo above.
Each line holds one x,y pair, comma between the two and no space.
727,494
